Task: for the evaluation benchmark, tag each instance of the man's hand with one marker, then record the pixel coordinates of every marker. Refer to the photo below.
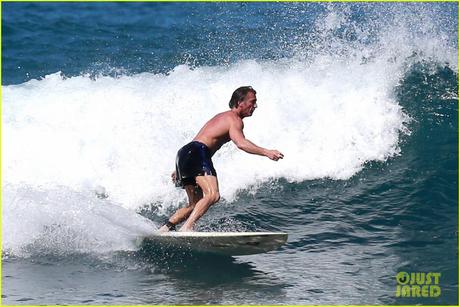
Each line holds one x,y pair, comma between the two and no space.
274,155
173,177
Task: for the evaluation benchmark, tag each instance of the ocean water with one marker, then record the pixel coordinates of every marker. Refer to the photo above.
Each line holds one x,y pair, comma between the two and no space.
362,98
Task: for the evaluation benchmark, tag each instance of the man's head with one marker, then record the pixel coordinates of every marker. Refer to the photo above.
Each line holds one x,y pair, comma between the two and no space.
244,101
239,94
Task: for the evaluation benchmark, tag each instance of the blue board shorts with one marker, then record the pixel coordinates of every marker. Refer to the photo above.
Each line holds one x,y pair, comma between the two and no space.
194,159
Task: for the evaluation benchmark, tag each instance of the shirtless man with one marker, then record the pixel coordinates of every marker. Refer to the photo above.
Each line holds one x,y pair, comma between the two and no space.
194,169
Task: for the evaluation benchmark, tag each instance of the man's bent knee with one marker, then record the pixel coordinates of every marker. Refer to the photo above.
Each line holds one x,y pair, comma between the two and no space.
209,187
214,197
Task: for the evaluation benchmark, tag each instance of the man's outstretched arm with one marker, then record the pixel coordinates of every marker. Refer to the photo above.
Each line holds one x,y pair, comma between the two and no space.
237,136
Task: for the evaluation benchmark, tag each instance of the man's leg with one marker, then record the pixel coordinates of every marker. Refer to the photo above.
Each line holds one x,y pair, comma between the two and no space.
210,188
194,195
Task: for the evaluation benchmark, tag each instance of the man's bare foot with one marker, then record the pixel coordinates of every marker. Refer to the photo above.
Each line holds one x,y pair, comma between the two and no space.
185,229
163,228
167,227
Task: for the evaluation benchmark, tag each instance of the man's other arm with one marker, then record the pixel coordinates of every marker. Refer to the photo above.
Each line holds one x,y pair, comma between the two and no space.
237,136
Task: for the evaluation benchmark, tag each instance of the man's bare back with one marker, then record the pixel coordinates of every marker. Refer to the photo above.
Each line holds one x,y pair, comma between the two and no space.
215,132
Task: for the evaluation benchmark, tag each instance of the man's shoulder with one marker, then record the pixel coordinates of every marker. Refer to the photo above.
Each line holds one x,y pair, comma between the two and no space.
227,116
234,120
228,119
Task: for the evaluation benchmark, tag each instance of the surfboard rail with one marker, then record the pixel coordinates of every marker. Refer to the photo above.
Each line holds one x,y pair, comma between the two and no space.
223,243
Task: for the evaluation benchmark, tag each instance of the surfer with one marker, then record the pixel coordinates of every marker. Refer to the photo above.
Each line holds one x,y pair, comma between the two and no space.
194,169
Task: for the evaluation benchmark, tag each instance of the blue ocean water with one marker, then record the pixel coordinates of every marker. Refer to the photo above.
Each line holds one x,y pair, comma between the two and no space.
362,98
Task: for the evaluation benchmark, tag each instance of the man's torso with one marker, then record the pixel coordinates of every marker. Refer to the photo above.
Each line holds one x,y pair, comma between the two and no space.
215,132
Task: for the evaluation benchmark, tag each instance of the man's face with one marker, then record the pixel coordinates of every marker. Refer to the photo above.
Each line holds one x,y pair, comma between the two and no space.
248,104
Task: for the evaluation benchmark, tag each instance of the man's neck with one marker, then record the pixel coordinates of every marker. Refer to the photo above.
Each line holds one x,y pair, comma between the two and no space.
237,112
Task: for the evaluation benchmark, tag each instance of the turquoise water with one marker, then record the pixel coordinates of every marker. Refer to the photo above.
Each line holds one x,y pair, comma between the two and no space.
98,97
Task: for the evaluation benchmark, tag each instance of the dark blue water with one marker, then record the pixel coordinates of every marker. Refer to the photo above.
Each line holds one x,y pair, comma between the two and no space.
361,98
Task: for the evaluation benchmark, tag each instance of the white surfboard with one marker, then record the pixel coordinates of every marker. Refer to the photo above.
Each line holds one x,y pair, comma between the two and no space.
223,243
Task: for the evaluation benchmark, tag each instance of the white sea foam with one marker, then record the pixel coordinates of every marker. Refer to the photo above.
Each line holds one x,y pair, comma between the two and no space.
58,220
122,134
65,140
